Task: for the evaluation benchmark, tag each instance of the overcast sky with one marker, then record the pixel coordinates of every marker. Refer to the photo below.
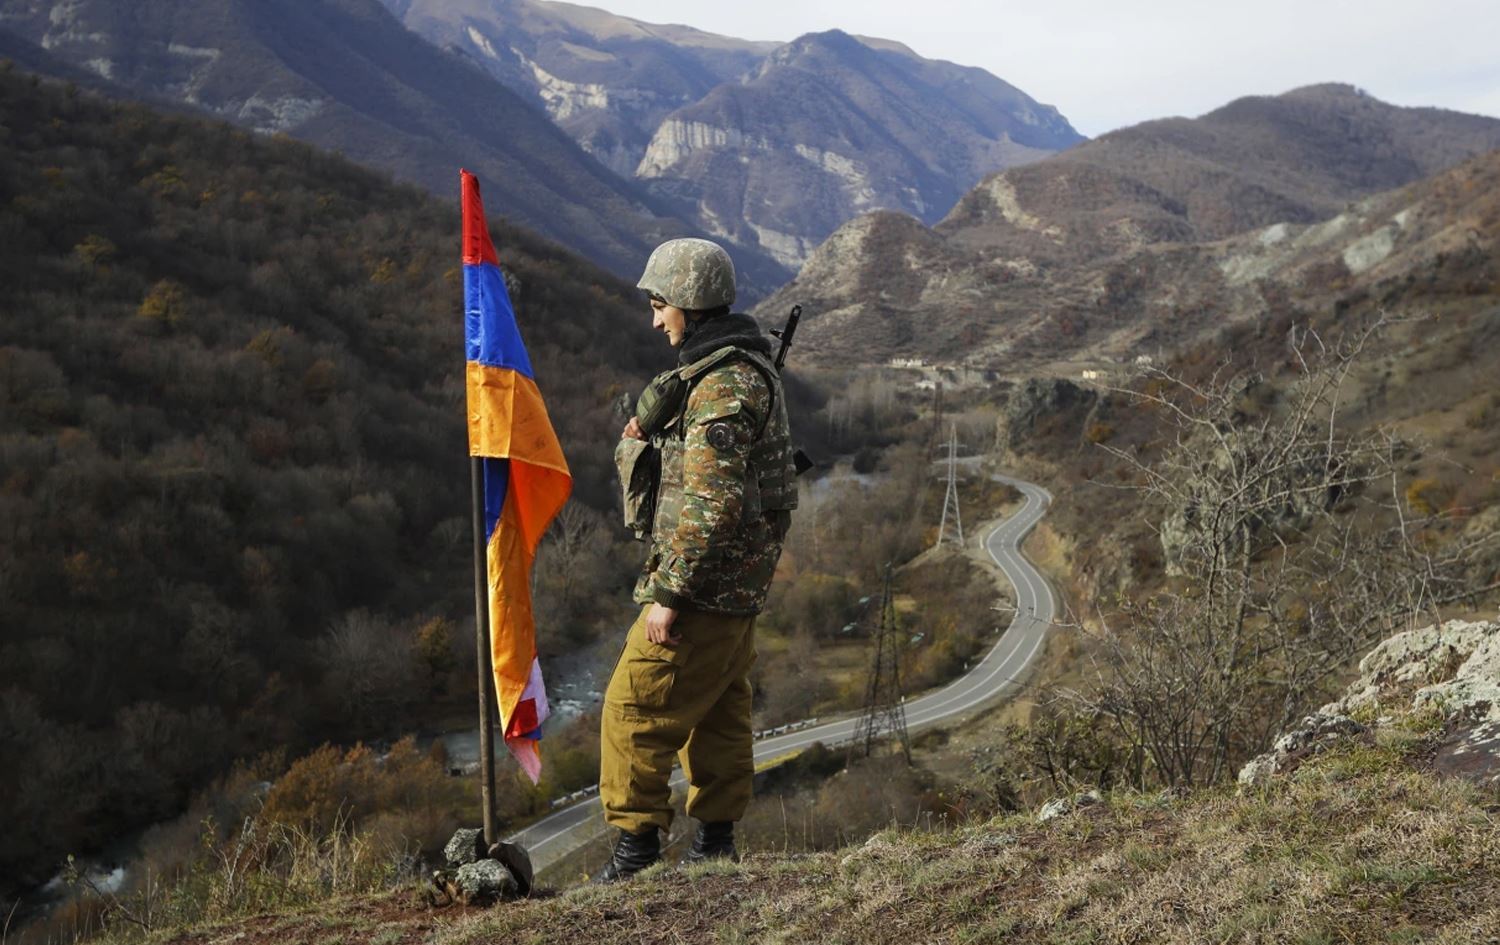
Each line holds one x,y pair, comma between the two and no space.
1107,63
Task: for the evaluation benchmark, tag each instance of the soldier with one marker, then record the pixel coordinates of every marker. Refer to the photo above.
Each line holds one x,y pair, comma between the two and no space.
720,505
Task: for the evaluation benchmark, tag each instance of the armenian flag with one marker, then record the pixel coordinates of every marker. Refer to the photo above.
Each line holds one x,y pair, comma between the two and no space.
525,479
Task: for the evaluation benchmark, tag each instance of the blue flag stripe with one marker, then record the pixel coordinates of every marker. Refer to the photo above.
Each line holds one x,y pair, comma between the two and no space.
492,337
496,485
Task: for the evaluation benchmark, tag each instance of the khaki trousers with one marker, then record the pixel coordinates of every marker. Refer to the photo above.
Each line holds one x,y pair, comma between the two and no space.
690,701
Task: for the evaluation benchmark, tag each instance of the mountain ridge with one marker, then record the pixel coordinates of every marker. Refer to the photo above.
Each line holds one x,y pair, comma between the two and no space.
867,128
576,61
1048,259
722,131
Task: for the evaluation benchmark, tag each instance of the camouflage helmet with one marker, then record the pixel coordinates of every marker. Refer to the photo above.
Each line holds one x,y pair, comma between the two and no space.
691,274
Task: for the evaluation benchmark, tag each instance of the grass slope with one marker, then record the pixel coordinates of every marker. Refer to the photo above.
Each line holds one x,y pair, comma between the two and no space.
1359,844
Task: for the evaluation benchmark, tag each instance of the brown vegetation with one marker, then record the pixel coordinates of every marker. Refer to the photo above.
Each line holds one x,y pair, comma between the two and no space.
233,506
1282,516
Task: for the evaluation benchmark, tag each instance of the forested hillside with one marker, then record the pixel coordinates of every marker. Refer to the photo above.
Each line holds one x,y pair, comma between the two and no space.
346,76
232,461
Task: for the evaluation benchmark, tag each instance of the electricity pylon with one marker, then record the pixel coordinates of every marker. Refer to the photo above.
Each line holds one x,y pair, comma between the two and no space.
885,707
950,501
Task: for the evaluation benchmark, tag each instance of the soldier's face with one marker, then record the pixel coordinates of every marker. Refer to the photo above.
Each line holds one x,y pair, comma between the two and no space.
668,319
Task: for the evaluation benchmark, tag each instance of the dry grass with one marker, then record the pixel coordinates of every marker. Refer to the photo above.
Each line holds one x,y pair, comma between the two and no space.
1359,845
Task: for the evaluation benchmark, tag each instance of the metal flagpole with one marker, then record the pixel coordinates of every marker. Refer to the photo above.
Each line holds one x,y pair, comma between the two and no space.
485,657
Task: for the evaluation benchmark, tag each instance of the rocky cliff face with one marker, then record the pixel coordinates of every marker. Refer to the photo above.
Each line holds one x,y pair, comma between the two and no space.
607,80
766,145
1448,673
1039,398
1122,246
828,127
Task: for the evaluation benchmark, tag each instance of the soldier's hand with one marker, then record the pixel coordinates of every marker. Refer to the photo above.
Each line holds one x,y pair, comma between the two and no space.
633,430
659,625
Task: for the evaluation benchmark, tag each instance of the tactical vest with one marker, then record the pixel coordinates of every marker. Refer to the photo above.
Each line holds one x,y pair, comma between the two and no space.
770,472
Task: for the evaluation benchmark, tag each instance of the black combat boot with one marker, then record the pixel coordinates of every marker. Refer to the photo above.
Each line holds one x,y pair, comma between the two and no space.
713,841
633,853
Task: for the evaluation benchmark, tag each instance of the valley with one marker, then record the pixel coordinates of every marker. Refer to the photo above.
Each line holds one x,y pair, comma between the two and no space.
234,564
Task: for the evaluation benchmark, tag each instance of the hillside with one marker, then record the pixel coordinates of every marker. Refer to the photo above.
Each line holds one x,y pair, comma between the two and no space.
233,495
33,58
345,75
1427,248
1113,248
1292,158
1352,833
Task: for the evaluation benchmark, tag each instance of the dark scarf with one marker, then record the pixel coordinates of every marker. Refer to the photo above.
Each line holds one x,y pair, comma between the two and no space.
721,330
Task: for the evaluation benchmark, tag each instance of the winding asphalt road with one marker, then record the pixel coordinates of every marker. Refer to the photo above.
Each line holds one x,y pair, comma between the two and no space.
997,674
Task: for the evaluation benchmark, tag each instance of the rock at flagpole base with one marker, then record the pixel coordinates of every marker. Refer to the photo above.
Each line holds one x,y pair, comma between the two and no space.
518,861
479,877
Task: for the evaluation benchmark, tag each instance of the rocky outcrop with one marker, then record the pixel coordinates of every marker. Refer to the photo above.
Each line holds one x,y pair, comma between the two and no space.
1062,806
483,882
1038,398
464,847
1316,733
1185,529
1451,670
677,140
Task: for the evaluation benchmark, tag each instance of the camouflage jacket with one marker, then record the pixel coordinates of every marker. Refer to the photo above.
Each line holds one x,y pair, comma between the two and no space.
725,494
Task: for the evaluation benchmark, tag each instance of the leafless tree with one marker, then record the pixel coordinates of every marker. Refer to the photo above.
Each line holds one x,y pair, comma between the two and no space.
575,536
1289,552
370,669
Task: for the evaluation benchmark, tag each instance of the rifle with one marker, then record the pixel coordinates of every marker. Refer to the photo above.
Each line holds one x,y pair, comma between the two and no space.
785,334
800,460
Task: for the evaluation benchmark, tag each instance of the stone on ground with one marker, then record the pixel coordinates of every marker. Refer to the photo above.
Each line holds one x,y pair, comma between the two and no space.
466,846
483,882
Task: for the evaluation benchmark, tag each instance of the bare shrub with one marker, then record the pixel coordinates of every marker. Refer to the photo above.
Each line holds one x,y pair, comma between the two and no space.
814,804
1290,551
791,685
409,788
336,823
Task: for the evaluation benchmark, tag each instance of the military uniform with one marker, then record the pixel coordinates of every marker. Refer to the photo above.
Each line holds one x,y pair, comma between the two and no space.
722,507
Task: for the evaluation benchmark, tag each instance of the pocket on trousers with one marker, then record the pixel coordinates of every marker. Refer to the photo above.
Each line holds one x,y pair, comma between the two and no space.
653,671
